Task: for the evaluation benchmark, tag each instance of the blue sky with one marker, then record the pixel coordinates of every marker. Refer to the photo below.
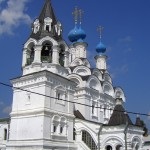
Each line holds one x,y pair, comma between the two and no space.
126,35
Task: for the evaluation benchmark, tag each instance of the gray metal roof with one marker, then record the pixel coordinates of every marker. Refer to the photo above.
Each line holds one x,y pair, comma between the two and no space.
47,11
119,117
78,115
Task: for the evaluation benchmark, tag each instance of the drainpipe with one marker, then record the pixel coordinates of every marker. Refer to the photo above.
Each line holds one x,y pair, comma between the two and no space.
100,129
125,135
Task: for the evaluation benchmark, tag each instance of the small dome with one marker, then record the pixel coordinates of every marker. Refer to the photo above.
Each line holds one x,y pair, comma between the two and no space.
81,35
73,34
101,48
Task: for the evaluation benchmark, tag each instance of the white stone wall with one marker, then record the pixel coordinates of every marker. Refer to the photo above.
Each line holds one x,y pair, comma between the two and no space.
3,141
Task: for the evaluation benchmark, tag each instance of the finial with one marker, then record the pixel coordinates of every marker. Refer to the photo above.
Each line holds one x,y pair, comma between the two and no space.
81,12
75,14
100,30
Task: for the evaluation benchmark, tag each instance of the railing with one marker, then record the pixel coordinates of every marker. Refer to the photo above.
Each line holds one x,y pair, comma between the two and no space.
46,59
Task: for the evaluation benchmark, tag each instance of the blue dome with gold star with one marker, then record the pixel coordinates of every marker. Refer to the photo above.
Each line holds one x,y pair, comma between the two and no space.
100,48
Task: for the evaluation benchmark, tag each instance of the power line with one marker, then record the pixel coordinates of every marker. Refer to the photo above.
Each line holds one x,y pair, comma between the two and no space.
129,112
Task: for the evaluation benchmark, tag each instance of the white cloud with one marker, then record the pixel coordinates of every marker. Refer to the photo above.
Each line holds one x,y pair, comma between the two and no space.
7,110
1,103
126,39
124,68
13,15
2,1
149,116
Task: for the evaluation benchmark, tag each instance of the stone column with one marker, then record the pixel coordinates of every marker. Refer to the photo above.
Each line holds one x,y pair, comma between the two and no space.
24,58
65,129
78,136
37,54
55,55
66,64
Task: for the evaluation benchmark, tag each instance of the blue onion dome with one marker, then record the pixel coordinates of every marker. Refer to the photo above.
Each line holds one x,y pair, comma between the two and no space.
81,35
101,48
73,34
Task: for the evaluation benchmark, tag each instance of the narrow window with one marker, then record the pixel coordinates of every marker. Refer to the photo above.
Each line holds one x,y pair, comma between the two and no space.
74,134
47,28
93,109
61,130
54,129
104,112
58,96
5,134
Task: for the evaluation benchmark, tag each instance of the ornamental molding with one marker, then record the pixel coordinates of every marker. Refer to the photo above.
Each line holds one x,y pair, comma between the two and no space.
30,40
47,38
39,112
44,77
85,70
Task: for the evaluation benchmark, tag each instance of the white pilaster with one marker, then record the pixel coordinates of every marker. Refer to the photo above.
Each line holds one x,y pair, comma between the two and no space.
80,49
101,62
24,58
37,54
66,59
55,56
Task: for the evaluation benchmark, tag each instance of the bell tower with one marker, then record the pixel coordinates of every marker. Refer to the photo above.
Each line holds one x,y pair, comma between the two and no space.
42,109
45,49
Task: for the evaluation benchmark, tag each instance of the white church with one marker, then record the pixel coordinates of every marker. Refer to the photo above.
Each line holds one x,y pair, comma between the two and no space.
60,102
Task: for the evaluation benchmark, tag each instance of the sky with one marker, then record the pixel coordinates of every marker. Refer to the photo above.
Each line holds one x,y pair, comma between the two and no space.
126,35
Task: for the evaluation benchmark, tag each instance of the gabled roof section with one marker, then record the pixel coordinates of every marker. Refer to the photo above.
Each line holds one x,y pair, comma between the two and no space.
119,117
47,11
78,115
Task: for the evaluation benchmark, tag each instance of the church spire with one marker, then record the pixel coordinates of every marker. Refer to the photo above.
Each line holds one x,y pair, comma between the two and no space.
46,24
47,11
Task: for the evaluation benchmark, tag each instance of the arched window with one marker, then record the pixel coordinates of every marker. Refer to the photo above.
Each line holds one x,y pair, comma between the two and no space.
47,28
59,126
30,54
5,134
55,124
54,128
136,143
108,147
62,55
94,109
119,147
63,126
46,54
104,112
74,134
60,95
88,140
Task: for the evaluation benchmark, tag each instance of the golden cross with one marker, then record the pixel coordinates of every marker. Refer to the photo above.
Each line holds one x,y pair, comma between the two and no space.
100,30
81,12
75,14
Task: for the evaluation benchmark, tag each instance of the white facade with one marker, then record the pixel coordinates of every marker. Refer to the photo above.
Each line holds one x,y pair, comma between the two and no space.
4,133
60,102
